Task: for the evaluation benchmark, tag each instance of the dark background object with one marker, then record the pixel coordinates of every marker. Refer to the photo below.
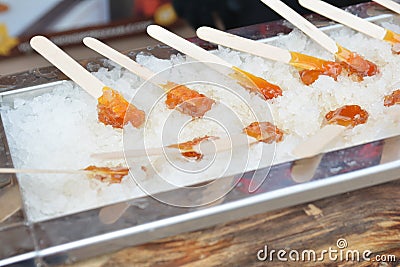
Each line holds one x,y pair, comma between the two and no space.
236,13
121,9
40,26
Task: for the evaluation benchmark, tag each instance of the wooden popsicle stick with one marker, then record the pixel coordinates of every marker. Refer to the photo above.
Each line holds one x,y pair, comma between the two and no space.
345,18
184,46
11,202
390,151
118,57
297,60
303,170
247,80
134,153
111,214
389,4
304,25
245,45
49,171
205,147
319,141
225,144
67,65
12,170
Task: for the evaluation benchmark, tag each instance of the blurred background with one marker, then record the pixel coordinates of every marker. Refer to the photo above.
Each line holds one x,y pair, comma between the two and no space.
120,23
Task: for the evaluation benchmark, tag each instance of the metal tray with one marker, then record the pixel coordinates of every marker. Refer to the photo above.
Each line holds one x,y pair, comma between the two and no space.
82,235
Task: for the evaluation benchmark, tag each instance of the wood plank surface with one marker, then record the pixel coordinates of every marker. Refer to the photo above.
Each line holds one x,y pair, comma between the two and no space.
368,219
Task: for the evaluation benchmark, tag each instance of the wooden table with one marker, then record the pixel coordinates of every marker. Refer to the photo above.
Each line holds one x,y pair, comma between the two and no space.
368,219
